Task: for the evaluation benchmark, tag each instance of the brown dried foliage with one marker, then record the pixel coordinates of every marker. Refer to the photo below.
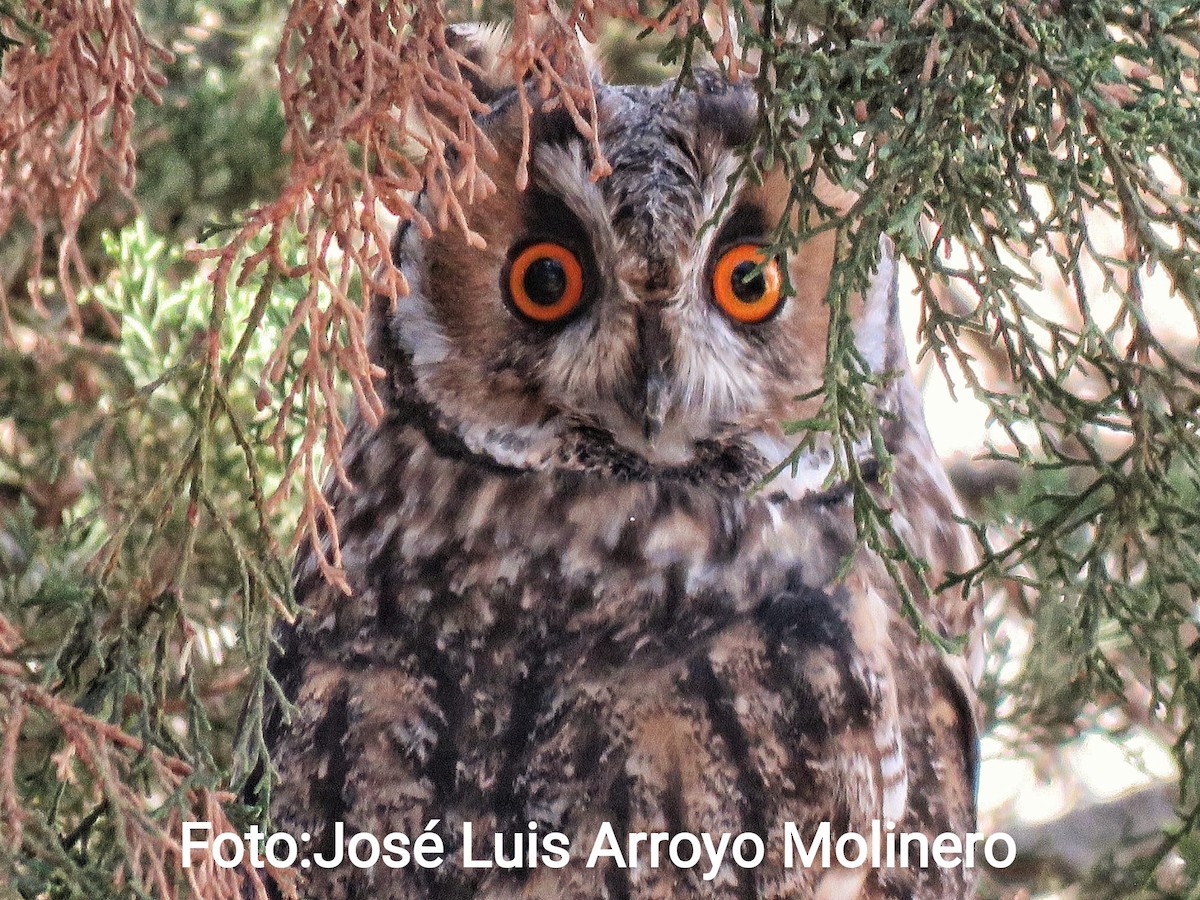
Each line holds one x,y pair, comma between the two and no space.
66,124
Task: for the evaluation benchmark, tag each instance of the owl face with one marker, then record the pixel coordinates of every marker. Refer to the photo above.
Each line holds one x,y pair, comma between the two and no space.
631,323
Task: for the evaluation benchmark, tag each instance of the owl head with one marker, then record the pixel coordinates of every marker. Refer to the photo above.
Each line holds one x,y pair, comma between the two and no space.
630,324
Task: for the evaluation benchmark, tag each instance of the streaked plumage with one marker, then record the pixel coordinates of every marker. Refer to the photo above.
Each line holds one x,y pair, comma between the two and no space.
557,618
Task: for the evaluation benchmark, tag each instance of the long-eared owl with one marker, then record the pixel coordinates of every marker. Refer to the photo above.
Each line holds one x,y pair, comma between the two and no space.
572,601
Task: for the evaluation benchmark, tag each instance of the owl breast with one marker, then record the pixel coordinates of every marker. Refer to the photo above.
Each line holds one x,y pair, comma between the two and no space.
571,651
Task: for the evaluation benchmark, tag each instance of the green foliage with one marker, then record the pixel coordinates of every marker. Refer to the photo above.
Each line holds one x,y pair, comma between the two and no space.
151,606
214,146
991,142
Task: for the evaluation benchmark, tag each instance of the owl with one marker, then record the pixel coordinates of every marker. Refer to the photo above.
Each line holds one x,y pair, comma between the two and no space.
575,610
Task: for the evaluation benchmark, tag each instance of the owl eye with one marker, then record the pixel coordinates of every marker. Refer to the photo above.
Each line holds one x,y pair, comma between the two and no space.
746,295
545,282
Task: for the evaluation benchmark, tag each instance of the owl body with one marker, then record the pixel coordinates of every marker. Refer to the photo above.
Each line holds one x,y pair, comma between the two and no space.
570,606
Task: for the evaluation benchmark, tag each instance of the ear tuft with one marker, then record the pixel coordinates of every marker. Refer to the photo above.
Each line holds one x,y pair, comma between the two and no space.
726,107
482,45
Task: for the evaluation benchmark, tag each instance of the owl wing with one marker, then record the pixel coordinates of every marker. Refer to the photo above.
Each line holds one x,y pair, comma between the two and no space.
870,725
835,651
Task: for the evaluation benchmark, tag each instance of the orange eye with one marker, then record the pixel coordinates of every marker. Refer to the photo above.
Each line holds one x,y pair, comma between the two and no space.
745,295
545,282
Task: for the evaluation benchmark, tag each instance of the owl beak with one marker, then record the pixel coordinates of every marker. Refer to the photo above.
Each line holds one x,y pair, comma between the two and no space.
652,366
655,406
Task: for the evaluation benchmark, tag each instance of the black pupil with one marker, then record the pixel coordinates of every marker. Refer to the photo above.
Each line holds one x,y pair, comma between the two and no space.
746,287
545,281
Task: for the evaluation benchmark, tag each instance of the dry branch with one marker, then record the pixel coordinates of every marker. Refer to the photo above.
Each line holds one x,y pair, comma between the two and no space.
66,124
